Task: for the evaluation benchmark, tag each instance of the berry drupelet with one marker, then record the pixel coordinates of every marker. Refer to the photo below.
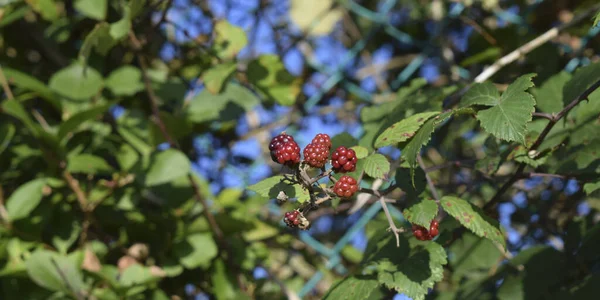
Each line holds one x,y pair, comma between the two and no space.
345,187
343,160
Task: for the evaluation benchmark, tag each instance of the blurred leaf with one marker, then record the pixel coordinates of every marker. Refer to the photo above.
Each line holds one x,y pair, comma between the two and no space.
403,130
471,254
66,228
16,109
167,166
343,139
591,187
216,76
489,54
71,124
77,82
95,9
222,283
229,40
50,270
270,76
315,17
583,79
473,219
261,231
7,132
377,166
176,127
127,157
47,8
28,82
271,187
125,81
136,275
549,95
88,164
361,152
421,213
196,251
226,106
25,199
353,288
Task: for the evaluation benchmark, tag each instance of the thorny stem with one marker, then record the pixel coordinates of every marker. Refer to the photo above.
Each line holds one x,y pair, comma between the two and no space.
395,230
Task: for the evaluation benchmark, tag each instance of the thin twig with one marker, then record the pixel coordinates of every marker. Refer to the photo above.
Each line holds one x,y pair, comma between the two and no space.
543,115
395,230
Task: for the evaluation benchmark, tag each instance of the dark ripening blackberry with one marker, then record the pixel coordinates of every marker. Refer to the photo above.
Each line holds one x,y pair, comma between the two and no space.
316,155
288,153
291,218
343,160
277,142
345,187
322,139
422,234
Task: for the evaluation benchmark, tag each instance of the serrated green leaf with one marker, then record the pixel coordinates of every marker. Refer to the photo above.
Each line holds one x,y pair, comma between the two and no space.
412,269
361,152
95,9
229,40
167,166
481,94
25,199
77,82
403,130
125,81
377,166
508,117
216,76
196,251
355,287
88,164
421,213
271,187
582,80
549,96
473,218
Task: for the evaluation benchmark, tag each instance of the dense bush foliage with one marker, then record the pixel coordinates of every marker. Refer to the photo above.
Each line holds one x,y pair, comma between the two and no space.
142,155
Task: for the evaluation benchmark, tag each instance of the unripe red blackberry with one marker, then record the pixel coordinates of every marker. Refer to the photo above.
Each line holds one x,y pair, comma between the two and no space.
288,153
345,187
343,160
316,155
422,234
322,139
277,142
296,219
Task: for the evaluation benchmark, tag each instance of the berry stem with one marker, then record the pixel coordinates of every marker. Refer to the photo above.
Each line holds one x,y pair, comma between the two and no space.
392,227
321,176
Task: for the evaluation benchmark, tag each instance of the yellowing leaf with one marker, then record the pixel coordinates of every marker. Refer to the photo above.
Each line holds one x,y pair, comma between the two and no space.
315,17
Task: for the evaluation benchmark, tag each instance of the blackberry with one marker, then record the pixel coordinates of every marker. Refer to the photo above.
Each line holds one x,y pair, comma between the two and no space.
422,234
345,187
322,139
296,219
316,155
277,142
343,160
288,153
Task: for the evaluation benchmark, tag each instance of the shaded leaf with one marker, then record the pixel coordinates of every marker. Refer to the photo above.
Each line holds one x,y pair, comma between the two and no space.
271,187
216,76
315,17
421,213
270,76
45,269
582,80
403,130
76,82
353,288
226,106
126,81
229,40
7,131
88,164
167,166
79,118
25,199
197,250
95,9
549,96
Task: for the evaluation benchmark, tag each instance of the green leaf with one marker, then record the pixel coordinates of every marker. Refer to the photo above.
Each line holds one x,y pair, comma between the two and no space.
167,166
411,269
377,166
596,20
7,131
549,96
361,152
226,106
196,251
222,283
229,40
315,17
473,218
271,187
55,272
472,254
24,81
270,76
100,39
125,81
16,109
25,199
136,275
481,94
95,9
77,82
66,228
343,139
79,118
421,213
591,187
177,128
88,164
508,117
403,130
127,157
46,8
135,7
215,77
583,79
420,139
355,287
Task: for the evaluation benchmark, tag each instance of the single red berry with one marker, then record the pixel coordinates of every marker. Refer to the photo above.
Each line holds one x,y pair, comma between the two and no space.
277,142
345,187
343,160
433,231
288,153
418,234
322,139
316,155
435,223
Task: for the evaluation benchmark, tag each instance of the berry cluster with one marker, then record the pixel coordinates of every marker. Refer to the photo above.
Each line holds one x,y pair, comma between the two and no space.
284,150
422,234
345,187
296,219
343,160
